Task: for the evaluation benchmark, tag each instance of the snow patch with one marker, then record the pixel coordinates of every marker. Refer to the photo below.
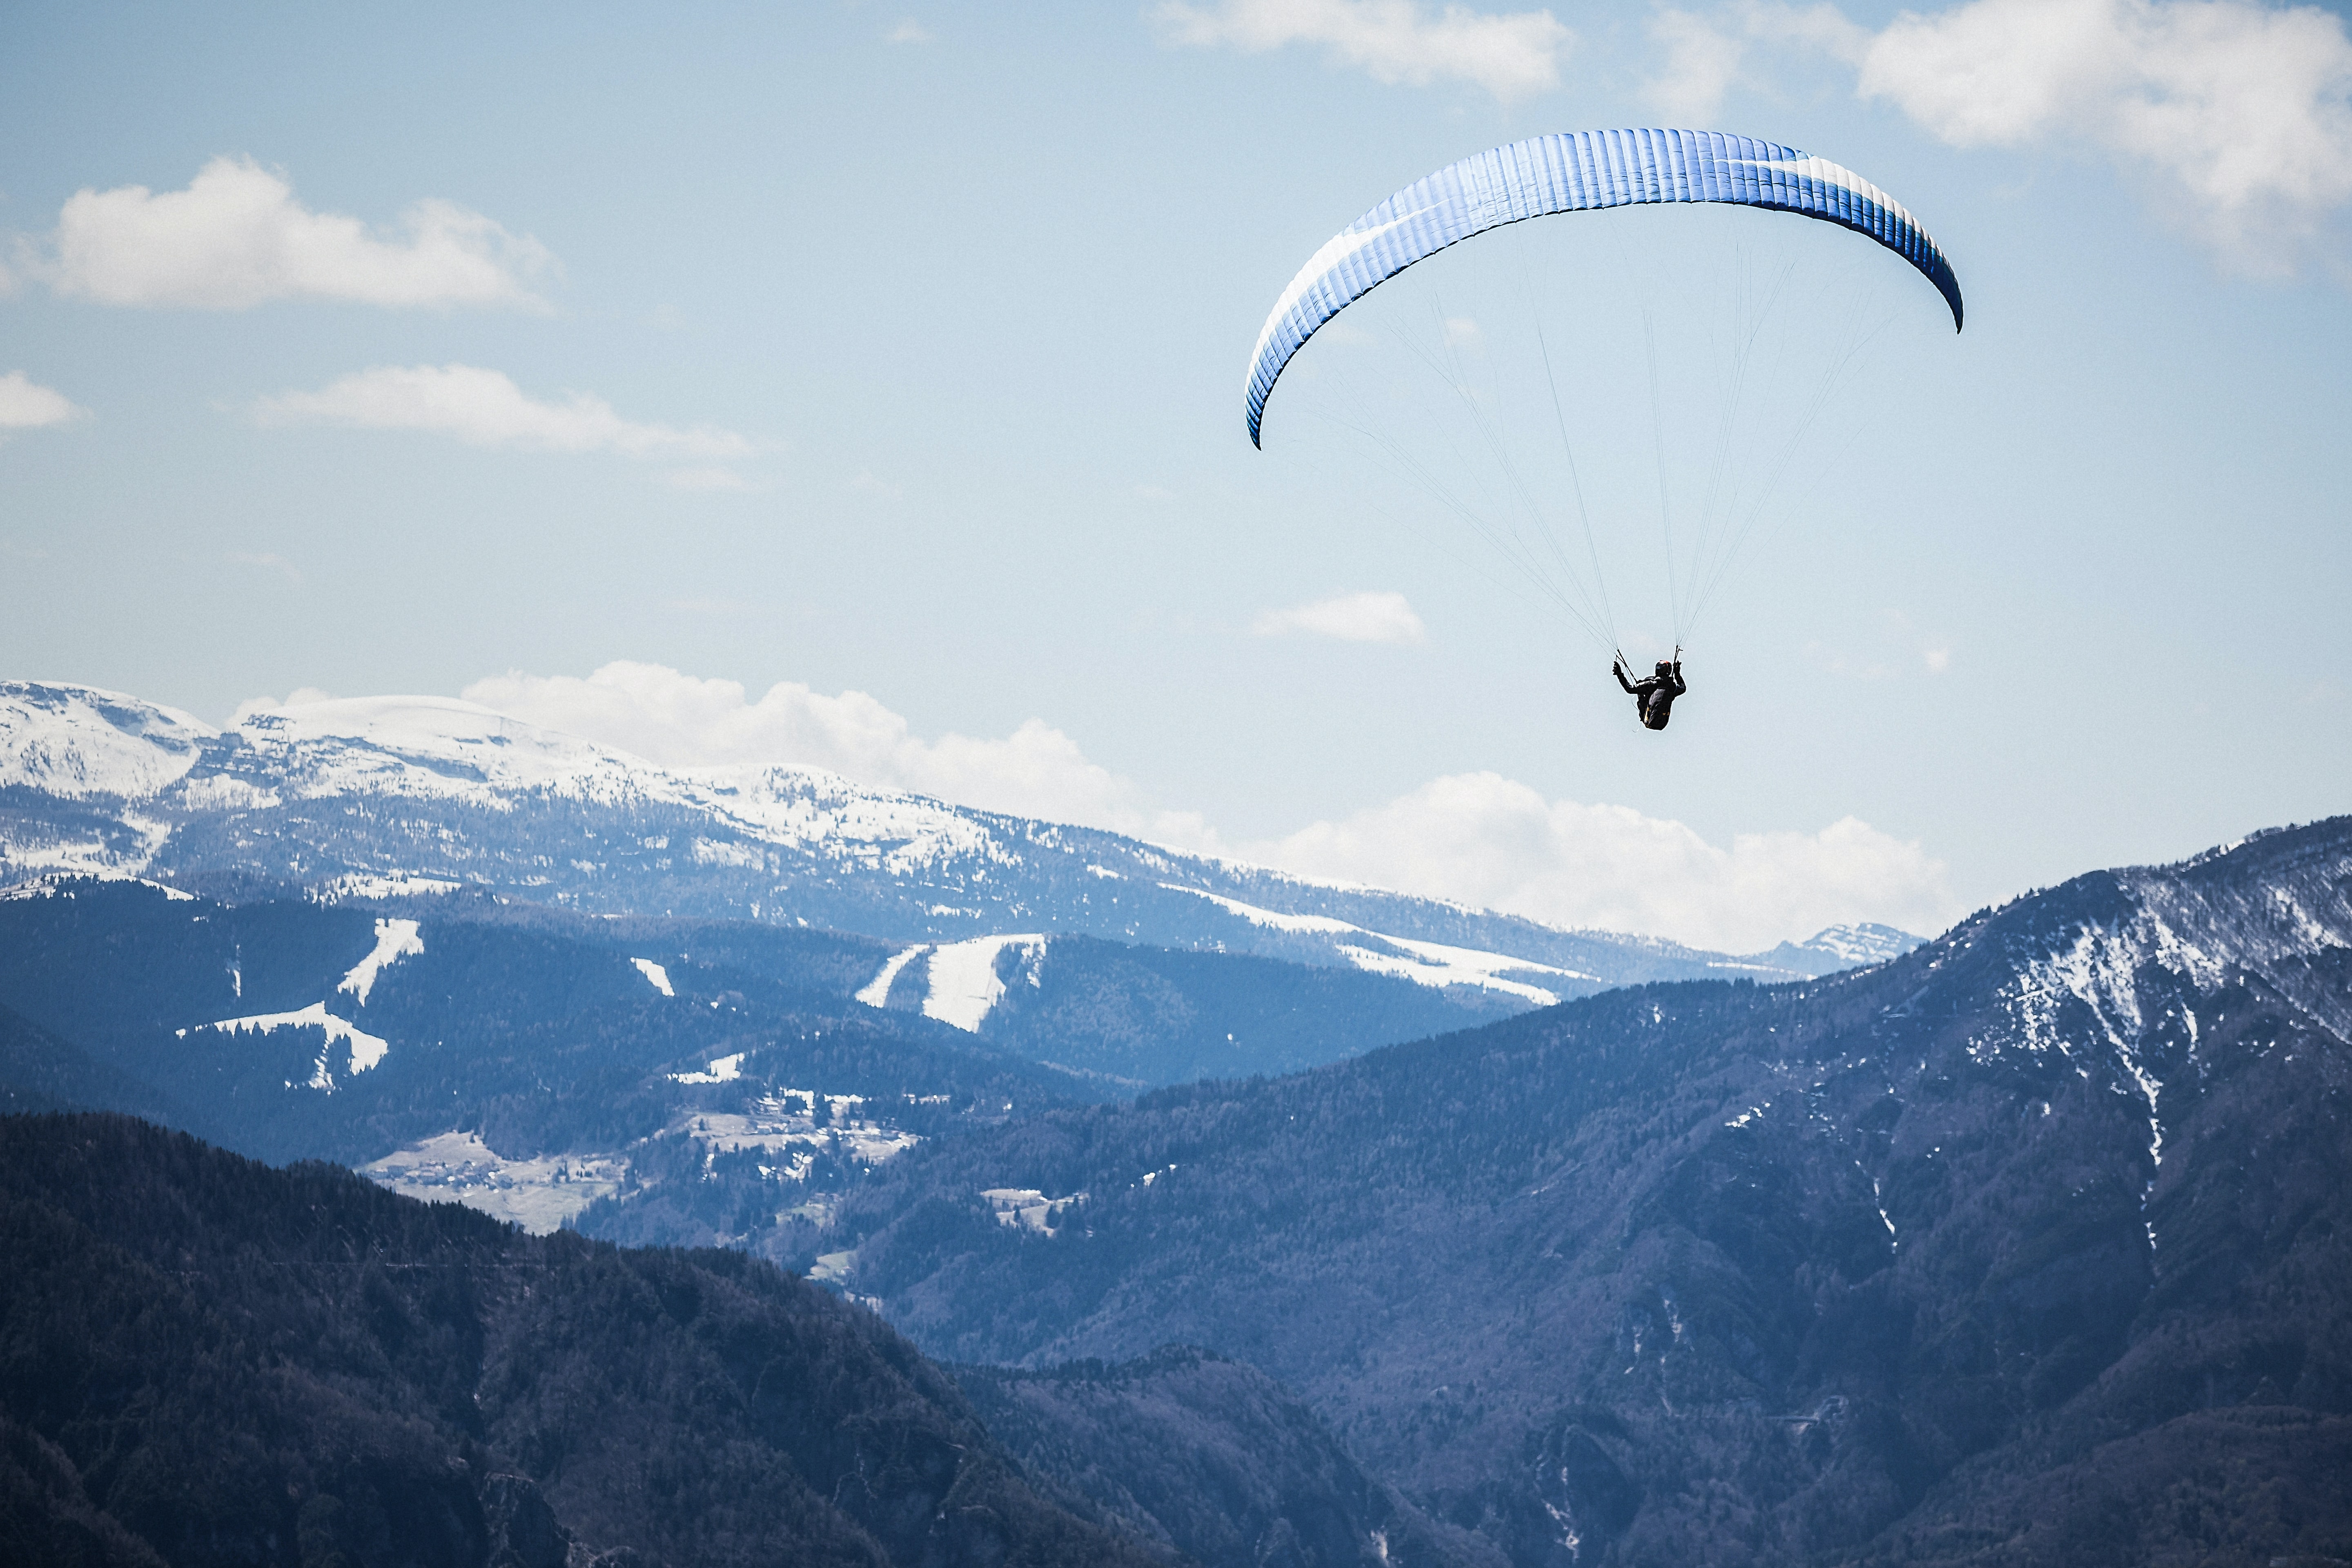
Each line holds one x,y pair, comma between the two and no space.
366,1049
1436,964
1273,919
722,1069
877,990
656,975
964,988
394,940
1430,963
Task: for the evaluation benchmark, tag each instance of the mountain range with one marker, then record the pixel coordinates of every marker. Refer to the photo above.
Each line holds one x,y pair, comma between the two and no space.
405,796
2033,1246
1228,1218
2026,1247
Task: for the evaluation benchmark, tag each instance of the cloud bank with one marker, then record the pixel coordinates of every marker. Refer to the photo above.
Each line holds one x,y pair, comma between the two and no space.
1512,55
26,404
2235,116
1486,840
1478,838
2242,112
237,237
1383,617
486,408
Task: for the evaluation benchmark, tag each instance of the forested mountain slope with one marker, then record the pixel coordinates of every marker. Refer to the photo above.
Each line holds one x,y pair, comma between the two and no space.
1192,1452
204,1360
2032,1246
662,1082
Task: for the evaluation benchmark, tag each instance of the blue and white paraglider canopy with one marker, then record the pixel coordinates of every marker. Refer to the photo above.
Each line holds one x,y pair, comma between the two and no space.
1577,171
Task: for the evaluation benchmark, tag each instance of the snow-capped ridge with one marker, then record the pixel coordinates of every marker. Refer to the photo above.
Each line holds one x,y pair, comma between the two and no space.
380,798
2107,975
77,742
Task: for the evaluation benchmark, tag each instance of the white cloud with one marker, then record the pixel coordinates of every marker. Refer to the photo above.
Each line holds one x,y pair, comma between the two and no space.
909,32
1703,60
487,409
237,237
1706,54
1486,840
1348,617
1478,838
294,699
2242,112
1510,53
675,718
26,404
2235,116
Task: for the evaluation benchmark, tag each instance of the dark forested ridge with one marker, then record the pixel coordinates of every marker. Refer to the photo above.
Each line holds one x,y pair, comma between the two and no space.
2034,1247
207,1360
1192,1453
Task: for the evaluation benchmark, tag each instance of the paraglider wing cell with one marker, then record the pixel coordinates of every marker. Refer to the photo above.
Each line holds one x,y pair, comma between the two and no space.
1576,171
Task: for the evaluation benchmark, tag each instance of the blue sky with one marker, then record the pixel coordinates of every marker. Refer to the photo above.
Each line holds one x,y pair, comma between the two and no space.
884,363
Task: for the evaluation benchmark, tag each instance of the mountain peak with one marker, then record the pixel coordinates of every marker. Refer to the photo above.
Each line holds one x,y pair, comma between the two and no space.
77,742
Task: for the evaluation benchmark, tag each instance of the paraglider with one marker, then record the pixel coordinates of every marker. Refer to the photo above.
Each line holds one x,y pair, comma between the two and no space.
1654,696
1582,171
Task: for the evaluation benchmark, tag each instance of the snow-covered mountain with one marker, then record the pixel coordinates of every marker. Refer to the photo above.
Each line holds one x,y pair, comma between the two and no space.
401,796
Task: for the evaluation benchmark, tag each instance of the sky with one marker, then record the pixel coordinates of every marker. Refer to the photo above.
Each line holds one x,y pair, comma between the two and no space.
860,385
